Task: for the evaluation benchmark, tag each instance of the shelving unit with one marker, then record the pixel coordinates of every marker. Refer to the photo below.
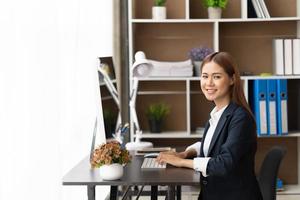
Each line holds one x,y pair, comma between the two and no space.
249,40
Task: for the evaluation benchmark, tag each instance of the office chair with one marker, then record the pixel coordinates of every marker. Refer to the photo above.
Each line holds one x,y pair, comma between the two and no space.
267,177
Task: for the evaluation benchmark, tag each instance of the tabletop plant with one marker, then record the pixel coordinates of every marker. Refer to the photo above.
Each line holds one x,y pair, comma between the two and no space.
109,153
156,113
215,3
160,2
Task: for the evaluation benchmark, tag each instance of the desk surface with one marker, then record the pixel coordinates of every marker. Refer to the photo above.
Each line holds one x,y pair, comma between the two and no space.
82,174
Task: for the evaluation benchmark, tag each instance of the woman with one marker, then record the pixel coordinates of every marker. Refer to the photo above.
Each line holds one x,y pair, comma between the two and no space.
225,157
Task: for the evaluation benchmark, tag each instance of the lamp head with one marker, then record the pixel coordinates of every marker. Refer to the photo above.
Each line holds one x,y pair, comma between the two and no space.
141,67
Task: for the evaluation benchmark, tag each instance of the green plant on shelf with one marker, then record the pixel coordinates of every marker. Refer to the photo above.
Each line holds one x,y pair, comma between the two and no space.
157,111
215,3
160,2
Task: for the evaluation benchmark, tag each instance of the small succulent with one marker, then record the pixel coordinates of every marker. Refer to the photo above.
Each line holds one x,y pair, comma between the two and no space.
199,53
160,2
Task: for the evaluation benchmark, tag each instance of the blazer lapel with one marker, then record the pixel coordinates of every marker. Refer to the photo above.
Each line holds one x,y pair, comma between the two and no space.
220,125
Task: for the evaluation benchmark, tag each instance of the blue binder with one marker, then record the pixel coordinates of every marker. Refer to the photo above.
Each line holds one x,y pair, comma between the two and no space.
260,106
282,117
271,107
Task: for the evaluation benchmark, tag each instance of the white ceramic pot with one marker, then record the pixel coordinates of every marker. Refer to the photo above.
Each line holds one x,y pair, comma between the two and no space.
111,172
214,13
159,12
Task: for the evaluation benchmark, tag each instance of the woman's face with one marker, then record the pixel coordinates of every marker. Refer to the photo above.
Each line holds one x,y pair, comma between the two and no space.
215,84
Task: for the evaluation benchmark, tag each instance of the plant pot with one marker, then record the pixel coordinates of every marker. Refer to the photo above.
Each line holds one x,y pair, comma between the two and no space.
111,172
214,12
155,126
197,68
159,12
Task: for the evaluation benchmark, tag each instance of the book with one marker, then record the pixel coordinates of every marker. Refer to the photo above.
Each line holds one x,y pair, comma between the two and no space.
153,150
257,9
264,8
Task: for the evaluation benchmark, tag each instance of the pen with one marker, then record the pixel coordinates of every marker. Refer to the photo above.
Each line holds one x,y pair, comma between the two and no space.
125,128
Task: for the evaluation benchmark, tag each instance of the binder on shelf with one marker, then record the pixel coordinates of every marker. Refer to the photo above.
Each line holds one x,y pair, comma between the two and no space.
288,57
282,117
278,57
260,106
271,107
296,56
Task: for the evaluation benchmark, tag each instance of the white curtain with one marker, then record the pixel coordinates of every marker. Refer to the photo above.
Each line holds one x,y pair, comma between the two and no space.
48,98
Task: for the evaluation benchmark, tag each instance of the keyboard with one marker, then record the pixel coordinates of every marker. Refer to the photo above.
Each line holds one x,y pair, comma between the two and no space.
150,163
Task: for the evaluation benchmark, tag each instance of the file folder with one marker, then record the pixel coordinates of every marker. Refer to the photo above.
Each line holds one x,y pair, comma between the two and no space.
278,57
296,57
260,106
271,107
282,117
288,57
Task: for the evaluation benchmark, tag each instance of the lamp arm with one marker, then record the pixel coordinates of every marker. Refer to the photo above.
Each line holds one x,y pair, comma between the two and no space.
132,103
110,86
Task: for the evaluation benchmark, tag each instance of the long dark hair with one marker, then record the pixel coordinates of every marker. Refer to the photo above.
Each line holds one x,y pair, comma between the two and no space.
227,62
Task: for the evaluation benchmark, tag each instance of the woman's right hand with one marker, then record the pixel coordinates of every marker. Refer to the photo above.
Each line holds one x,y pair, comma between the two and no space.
177,154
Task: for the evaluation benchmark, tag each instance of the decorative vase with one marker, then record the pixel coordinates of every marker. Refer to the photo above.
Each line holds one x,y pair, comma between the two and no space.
214,12
155,126
111,172
159,12
197,68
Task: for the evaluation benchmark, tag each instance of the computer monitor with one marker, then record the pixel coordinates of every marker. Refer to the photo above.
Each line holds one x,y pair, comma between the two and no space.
109,95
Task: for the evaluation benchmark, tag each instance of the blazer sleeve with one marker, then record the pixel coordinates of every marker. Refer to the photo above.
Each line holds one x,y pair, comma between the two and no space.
240,142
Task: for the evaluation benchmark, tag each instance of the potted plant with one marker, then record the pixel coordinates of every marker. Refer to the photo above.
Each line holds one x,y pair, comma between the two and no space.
215,7
156,113
110,158
197,54
159,10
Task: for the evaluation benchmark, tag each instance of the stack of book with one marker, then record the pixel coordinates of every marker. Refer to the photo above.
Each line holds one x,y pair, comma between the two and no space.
260,8
286,60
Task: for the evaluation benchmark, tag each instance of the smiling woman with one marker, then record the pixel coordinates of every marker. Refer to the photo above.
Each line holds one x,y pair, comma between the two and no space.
225,156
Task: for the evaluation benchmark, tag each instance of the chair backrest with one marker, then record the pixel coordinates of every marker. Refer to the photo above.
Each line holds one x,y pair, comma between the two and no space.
267,177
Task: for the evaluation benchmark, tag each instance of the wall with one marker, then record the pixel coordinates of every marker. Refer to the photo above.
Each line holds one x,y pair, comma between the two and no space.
48,92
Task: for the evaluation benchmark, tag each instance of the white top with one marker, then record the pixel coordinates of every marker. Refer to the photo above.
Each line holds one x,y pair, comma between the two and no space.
200,163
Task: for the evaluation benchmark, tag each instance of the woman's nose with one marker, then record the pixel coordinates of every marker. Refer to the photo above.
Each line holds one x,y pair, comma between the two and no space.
210,81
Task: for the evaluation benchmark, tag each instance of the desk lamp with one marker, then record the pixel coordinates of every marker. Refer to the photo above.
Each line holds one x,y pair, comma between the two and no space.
140,68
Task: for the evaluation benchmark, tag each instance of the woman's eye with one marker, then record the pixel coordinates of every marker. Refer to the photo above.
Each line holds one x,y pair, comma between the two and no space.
217,77
204,76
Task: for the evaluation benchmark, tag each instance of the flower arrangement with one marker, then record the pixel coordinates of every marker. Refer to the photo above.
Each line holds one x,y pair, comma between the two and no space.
215,3
199,53
160,2
109,153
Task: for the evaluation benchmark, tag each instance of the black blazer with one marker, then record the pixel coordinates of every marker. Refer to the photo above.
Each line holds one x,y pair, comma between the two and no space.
232,150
